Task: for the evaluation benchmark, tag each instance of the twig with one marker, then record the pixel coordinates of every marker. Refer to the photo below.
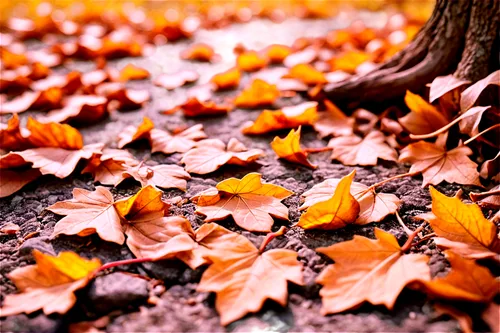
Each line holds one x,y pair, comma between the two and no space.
481,133
269,237
317,150
411,237
425,238
405,228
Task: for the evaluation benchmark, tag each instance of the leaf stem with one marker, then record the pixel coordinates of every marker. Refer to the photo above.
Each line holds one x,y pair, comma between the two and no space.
425,238
411,237
405,228
123,262
481,133
269,237
317,150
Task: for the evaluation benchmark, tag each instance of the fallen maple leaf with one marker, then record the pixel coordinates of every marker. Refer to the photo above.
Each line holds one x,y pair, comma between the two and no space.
353,150
336,212
470,95
107,167
81,109
374,207
229,79
250,61
467,281
12,181
424,117
209,155
277,53
259,93
290,150
53,135
490,199
251,203
333,122
49,285
132,133
163,175
196,108
490,169
306,74
87,213
144,203
470,120
200,52
437,165
447,89
462,227
33,100
243,282
368,270
132,72
287,117
181,142
12,136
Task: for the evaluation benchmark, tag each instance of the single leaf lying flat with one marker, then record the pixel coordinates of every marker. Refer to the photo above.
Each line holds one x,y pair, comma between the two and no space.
287,117
424,117
107,168
193,107
259,93
368,270
462,227
12,136
209,155
164,175
132,133
87,213
467,281
333,122
437,165
251,203
374,207
337,212
146,202
227,80
290,150
353,150
167,143
48,285
243,283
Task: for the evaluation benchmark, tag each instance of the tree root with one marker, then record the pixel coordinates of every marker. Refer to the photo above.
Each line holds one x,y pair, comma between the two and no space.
459,35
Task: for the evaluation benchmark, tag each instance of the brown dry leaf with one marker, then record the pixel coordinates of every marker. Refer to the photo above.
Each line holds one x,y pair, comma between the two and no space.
195,108
492,317
470,95
462,227
250,61
12,136
33,100
49,160
87,213
470,120
209,155
354,150
127,99
132,133
181,142
251,203
200,52
307,74
374,207
146,202
424,118
132,72
49,285
244,281
53,135
336,212
442,86
227,80
277,53
12,181
467,281
333,122
163,175
437,165
176,80
490,169
489,199
10,228
290,150
107,167
287,117
81,109
259,93
368,270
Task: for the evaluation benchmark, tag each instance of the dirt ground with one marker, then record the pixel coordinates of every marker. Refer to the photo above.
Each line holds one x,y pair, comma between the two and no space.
179,308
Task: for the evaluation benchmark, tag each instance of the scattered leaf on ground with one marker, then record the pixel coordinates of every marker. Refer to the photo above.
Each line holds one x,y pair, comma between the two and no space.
424,118
259,93
290,150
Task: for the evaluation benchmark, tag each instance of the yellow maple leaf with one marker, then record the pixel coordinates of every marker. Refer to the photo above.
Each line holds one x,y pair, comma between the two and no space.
290,150
337,212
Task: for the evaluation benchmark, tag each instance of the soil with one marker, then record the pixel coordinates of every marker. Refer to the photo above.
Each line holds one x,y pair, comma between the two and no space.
174,304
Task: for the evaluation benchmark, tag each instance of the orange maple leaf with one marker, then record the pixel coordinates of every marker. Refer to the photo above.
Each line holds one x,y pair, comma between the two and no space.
290,150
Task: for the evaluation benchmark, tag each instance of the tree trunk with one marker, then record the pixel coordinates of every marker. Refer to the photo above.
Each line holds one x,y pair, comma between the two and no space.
461,37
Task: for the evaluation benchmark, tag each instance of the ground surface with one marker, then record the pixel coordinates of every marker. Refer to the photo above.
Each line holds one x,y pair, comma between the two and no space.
180,307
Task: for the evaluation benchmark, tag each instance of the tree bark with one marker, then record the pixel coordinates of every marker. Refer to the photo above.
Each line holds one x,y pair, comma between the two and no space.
460,37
